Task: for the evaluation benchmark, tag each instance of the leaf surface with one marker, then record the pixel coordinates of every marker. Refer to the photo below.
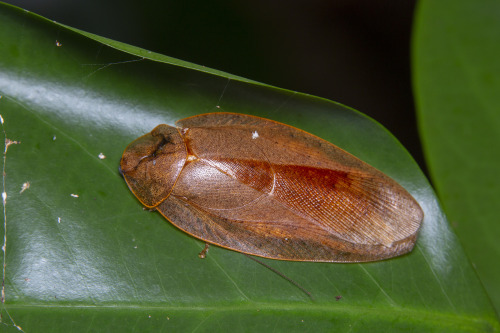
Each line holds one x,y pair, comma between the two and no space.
457,84
82,255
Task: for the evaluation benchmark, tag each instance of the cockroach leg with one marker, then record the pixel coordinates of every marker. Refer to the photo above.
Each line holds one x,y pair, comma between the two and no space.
203,253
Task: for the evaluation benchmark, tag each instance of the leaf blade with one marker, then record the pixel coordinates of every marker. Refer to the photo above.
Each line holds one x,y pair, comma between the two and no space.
100,250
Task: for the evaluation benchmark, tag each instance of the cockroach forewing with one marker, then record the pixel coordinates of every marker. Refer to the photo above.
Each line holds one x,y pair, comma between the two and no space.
268,189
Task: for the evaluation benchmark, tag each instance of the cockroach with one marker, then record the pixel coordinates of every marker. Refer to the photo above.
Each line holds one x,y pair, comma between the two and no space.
267,189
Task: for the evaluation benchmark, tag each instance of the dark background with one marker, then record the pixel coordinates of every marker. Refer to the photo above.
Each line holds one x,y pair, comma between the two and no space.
356,52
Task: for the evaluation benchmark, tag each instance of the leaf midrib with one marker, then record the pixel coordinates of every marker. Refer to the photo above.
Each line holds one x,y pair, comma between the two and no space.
458,320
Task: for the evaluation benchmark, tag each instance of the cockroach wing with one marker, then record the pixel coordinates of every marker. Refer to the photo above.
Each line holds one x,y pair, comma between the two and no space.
271,190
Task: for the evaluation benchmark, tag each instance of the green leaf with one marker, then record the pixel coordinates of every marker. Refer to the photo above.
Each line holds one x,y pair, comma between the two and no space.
457,84
98,262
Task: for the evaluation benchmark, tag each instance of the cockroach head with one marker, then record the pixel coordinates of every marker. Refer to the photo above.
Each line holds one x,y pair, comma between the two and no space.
152,163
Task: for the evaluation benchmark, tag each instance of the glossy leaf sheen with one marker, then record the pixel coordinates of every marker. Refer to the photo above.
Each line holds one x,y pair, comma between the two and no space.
99,262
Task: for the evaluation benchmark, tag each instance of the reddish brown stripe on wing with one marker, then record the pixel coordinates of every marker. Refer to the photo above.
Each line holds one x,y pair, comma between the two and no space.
355,206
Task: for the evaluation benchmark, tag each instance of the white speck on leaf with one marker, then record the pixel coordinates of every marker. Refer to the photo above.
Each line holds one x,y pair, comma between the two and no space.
9,142
25,187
